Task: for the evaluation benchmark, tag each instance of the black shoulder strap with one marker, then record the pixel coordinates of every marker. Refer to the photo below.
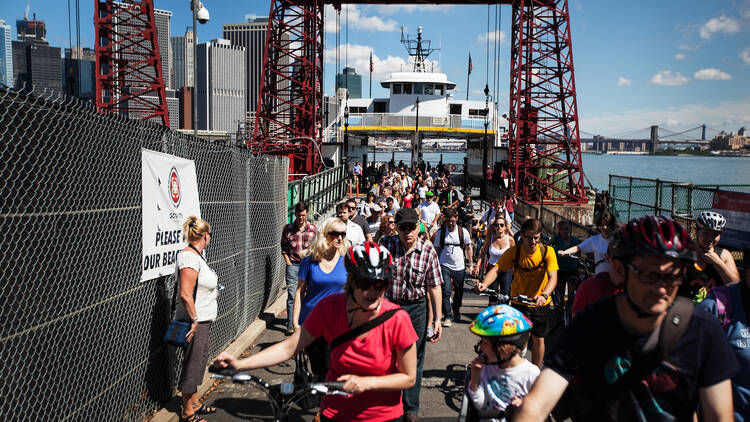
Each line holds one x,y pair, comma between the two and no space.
674,326
359,330
461,237
442,239
543,263
517,259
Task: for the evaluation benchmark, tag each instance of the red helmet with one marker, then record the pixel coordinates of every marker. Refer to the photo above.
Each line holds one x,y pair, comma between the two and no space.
369,260
652,236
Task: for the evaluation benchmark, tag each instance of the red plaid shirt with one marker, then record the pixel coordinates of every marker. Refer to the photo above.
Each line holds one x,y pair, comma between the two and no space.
413,272
294,240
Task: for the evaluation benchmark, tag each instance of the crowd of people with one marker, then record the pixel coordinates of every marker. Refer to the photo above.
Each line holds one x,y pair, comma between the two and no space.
660,331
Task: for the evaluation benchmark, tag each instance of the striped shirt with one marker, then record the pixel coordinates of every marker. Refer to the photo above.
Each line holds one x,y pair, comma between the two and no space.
414,272
294,240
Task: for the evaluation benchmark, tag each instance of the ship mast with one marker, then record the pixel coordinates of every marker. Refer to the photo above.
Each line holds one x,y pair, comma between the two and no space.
418,49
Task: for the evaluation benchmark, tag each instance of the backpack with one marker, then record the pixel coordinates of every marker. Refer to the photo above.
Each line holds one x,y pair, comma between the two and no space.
444,234
517,260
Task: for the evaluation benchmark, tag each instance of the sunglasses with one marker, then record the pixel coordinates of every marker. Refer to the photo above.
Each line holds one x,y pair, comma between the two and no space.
651,278
352,208
407,227
366,284
337,234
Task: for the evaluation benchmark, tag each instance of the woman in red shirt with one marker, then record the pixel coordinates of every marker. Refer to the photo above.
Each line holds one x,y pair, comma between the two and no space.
375,366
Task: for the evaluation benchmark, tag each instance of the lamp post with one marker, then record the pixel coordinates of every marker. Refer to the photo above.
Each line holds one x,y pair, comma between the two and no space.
483,186
200,14
416,153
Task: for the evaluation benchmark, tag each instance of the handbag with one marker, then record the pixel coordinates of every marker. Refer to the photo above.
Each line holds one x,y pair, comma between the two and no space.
177,330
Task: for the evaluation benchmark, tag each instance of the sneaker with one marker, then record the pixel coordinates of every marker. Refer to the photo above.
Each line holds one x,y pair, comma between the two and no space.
447,322
430,331
456,315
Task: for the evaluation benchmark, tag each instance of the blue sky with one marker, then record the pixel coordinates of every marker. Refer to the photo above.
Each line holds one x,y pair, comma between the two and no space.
673,63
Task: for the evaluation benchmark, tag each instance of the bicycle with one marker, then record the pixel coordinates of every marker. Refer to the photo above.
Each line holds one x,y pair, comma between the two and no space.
284,395
467,412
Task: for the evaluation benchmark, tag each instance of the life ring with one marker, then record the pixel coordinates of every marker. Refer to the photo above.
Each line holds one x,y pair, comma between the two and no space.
453,167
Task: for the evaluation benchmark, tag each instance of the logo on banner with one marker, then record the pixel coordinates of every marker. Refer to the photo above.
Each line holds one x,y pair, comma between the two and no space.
174,187
716,199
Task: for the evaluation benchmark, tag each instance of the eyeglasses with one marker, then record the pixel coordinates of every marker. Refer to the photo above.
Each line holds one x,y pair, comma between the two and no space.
500,224
651,278
352,208
211,234
366,284
407,227
336,234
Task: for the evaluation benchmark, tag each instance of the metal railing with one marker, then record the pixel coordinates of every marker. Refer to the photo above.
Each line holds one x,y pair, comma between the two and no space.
634,197
321,192
80,335
450,121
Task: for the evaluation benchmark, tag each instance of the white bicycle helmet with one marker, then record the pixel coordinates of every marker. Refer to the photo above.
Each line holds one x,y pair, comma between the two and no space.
712,221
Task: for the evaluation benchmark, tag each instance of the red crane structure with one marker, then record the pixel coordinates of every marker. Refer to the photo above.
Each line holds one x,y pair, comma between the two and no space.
544,142
129,76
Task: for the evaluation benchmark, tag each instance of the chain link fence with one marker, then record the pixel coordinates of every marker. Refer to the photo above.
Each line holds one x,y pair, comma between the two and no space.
80,337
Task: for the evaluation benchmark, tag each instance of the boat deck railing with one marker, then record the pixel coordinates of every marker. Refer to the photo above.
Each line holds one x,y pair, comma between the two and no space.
390,121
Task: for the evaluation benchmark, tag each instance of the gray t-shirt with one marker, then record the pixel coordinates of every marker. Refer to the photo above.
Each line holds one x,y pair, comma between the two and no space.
362,222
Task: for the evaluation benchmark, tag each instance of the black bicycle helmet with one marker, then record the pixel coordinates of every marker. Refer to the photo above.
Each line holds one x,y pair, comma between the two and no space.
369,260
712,221
652,236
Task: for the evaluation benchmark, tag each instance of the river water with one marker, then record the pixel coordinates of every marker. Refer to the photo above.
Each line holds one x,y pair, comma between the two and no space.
698,170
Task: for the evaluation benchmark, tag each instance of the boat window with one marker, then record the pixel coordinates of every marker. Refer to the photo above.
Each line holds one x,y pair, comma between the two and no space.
396,88
429,89
455,108
438,89
418,89
379,106
477,112
407,89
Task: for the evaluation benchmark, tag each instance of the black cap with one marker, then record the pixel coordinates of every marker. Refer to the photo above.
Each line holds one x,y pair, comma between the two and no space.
406,215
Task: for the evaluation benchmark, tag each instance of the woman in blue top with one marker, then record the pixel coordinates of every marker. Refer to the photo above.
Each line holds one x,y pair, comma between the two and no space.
321,273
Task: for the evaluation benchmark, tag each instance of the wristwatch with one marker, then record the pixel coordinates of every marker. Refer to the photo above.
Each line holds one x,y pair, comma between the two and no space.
194,319
545,296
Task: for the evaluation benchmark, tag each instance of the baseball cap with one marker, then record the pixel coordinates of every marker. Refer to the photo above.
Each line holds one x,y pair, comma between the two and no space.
375,207
429,193
406,215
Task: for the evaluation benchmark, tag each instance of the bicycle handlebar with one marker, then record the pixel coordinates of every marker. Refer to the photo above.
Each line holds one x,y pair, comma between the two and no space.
286,388
523,299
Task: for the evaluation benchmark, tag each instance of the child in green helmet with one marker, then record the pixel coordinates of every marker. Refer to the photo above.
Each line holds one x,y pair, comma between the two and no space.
500,376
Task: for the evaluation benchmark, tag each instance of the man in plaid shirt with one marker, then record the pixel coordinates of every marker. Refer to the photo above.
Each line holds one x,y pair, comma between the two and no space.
295,238
416,274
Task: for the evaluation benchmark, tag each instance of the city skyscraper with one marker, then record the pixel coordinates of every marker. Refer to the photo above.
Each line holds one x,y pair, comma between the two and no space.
178,61
79,66
252,36
6,54
163,31
31,30
220,90
189,66
350,80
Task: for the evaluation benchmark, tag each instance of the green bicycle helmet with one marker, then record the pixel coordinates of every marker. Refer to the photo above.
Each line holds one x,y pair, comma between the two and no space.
503,322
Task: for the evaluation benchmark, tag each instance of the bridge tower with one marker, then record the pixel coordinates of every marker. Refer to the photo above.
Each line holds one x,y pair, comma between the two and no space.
653,144
129,78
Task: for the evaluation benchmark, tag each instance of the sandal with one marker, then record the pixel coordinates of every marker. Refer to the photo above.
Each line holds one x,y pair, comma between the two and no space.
193,418
205,410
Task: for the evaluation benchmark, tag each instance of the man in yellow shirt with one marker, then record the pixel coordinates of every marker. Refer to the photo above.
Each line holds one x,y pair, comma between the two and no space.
534,275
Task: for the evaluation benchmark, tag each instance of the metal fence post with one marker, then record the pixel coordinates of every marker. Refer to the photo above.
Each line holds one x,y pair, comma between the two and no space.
690,199
630,196
657,198
674,197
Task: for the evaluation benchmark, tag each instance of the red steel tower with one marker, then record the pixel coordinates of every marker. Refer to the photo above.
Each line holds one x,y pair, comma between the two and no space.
289,117
129,76
544,151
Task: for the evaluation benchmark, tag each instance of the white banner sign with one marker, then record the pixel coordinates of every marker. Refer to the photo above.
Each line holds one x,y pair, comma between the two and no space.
169,196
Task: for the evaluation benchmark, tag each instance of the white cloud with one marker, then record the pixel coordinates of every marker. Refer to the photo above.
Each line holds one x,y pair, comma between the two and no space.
668,78
680,56
494,35
745,55
712,74
623,81
745,10
359,59
357,20
721,24
409,8
724,115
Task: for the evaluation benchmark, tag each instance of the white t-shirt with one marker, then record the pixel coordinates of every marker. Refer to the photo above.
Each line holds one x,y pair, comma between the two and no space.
364,209
498,386
452,256
598,246
354,233
429,212
421,191
205,296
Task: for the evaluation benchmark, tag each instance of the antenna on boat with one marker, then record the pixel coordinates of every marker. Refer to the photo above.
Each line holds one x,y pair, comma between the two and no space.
418,49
